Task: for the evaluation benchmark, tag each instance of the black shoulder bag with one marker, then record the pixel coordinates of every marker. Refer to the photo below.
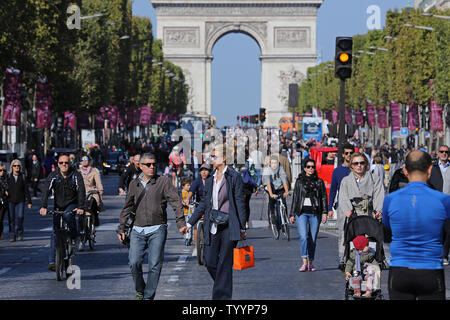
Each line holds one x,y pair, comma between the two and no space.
130,220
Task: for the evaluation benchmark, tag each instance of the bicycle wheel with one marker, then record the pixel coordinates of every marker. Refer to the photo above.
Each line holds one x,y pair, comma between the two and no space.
273,225
91,229
200,244
59,260
285,224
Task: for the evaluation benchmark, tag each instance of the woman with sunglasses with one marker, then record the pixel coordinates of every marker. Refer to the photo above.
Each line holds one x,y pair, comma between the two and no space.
4,207
18,195
361,192
309,208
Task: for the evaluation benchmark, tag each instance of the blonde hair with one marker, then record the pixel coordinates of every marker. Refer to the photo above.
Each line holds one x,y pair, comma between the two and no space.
15,161
2,166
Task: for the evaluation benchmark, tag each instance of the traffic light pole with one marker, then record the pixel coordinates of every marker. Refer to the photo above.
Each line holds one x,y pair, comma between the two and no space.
341,134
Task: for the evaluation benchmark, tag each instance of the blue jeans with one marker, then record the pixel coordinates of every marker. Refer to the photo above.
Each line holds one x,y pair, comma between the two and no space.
71,223
16,217
152,244
308,228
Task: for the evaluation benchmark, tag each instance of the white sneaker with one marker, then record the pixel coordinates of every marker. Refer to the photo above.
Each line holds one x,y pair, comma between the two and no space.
445,262
194,252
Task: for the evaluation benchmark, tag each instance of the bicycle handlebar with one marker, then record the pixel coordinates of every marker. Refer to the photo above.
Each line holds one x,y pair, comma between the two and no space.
59,212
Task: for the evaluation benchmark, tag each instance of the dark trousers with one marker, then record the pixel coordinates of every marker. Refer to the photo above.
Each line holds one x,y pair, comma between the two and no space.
35,187
4,210
446,238
219,262
16,215
416,284
247,197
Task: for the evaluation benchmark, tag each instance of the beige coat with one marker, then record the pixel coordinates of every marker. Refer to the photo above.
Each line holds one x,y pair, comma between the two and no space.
92,181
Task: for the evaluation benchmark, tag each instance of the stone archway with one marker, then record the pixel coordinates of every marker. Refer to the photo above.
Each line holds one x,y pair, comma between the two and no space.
285,31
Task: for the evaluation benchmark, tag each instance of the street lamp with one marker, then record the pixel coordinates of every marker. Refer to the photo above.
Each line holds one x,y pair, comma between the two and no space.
419,27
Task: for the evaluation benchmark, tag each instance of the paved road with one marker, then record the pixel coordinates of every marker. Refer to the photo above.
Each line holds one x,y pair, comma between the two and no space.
105,273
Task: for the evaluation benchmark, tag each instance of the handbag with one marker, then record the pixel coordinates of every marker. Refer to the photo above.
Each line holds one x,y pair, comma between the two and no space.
219,217
243,257
129,223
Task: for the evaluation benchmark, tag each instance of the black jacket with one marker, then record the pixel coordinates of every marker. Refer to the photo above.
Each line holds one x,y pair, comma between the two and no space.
128,175
18,190
436,181
320,196
35,170
4,188
398,181
66,191
237,206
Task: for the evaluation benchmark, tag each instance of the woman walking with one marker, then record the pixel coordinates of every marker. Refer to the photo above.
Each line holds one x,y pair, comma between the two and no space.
309,208
3,197
18,194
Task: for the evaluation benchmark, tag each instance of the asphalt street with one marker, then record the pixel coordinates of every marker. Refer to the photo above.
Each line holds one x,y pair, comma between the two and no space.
105,274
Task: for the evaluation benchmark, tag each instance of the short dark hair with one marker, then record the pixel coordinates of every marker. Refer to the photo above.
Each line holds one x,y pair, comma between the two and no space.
185,181
62,154
418,161
348,146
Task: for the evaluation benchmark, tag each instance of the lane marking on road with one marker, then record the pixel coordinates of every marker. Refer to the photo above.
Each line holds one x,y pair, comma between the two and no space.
259,224
47,229
4,270
182,259
107,227
173,279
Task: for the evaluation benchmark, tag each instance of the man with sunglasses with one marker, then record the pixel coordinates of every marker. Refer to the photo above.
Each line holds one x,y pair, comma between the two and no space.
439,169
149,231
69,196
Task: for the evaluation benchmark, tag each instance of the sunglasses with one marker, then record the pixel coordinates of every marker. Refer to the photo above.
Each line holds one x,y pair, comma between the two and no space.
361,163
16,165
85,159
348,153
443,151
63,162
2,170
213,156
310,167
149,164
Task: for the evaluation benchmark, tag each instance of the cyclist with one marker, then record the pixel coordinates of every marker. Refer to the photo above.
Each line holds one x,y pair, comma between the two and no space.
69,195
92,182
275,180
176,162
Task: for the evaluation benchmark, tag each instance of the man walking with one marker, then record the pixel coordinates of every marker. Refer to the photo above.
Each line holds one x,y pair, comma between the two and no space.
129,174
415,215
340,173
149,232
439,169
35,174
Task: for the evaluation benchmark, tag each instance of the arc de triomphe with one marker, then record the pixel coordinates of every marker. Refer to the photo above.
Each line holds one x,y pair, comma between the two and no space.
285,31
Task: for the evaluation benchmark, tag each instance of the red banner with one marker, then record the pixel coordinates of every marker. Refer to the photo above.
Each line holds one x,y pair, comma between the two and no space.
113,117
382,118
371,119
359,117
146,112
43,104
395,116
334,115
436,116
413,117
12,88
348,116
69,120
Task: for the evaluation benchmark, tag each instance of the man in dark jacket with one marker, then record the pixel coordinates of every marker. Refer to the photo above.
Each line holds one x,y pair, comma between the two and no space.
35,174
224,193
69,195
129,174
442,164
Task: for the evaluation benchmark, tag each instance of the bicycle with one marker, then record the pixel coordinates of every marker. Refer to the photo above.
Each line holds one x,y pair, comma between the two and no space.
200,242
64,250
87,231
279,223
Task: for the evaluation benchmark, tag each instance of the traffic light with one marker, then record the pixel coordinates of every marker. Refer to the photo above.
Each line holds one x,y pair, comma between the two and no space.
343,58
262,115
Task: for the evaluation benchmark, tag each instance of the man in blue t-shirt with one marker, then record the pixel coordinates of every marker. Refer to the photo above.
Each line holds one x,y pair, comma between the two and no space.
415,215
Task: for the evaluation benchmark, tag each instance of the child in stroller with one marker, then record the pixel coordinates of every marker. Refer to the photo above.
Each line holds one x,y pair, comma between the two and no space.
362,262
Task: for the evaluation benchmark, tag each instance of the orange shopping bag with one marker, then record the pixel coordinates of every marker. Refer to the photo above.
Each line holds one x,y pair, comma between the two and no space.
243,257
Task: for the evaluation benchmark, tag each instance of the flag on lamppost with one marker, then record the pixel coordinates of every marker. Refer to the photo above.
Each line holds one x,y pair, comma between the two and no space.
12,87
69,120
371,119
113,117
395,116
348,116
43,104
436,116
334,115
413,117
145,115
382,118
359,117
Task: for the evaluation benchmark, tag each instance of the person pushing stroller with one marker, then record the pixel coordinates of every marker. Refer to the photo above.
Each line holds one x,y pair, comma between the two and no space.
361,261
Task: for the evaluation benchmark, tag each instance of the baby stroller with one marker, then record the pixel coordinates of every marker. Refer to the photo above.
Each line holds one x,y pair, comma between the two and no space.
373,229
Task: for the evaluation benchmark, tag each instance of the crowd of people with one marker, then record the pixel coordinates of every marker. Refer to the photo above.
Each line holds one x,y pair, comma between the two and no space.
218,182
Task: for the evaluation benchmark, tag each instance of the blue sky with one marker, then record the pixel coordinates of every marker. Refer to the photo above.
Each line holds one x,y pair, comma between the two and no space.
236,68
